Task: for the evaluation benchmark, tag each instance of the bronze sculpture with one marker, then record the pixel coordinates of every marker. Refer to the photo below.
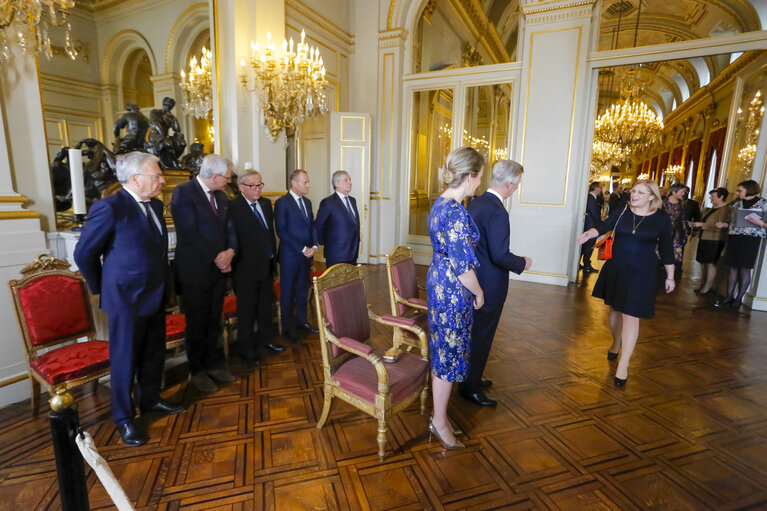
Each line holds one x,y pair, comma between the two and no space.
99,171
193,160
136,125
166,141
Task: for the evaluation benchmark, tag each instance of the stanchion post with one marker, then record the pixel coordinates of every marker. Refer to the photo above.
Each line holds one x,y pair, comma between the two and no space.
70,467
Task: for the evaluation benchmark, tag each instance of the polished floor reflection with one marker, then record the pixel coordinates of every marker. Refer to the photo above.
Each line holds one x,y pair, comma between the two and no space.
689,430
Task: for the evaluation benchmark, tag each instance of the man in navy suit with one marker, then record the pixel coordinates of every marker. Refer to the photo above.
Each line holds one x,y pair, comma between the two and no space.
128,230
593,219
298,244
253,267
495,263
205,246
338,222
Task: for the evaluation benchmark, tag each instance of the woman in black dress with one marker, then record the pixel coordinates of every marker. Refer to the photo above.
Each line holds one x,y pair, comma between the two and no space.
628,281
743,242
712,237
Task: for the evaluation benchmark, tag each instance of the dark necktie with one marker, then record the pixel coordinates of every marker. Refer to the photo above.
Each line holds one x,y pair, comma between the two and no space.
303,208
349,207
261,219
213,202
149,218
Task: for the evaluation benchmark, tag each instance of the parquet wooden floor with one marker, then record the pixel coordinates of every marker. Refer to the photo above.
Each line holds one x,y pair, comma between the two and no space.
689,431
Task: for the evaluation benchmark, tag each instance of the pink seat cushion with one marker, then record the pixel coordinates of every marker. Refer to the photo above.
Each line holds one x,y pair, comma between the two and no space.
72,361
175,326
54,308
230,307
358,377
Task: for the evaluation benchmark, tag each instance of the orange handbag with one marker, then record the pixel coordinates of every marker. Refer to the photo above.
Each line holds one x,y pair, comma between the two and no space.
605,242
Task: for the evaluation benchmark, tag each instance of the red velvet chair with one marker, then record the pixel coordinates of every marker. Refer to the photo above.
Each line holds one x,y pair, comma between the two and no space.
175,330
354,371
403,294
229,315
312,274
53,308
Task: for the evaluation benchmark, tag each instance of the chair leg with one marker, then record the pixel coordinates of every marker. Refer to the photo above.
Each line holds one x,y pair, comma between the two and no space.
35,398
279,319
424,397
325,407
225,337
382,429
94,386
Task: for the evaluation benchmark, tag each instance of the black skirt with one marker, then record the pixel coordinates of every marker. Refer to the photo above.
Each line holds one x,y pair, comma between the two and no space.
709,251
741,251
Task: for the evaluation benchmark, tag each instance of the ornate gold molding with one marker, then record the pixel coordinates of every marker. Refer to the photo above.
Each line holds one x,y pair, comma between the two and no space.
559,12
18,215
14,198
392,38
13,379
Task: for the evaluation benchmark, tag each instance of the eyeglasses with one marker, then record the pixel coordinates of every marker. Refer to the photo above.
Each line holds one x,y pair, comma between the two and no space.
156,177
252,187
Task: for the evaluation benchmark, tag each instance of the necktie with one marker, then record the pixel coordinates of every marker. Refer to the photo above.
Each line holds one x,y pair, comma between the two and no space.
259,215
303,208
149,218
349,207
213,202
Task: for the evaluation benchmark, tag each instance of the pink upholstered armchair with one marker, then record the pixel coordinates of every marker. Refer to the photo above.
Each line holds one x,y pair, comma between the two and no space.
52,307
354,371
403,293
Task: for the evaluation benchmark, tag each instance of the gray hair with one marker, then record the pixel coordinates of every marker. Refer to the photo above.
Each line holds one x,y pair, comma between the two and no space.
246,173
461,163
215,164
132,163
337,177
506,171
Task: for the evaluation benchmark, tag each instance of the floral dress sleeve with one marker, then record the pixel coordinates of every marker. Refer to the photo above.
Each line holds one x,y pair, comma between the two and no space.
461,234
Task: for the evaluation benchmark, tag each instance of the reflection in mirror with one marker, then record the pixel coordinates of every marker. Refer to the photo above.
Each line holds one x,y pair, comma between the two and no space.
129,53
747,127
450,35
431,143
486,125
692,98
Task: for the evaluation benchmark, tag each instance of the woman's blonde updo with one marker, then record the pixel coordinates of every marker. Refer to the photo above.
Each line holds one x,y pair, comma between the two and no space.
461,163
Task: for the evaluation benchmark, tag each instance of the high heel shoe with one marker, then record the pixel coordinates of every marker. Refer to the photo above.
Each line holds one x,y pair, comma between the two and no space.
449,447
619,382
456,430
611,355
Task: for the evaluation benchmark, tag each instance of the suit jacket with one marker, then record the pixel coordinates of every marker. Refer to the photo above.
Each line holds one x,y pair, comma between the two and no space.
294,229
593,214
201,233
132,277
492,251
337,229
255,244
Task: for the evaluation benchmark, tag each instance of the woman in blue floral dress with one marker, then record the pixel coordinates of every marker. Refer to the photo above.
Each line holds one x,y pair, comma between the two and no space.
451,286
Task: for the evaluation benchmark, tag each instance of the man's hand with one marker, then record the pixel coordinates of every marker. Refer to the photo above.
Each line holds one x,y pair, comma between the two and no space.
224,260
309,252
528,263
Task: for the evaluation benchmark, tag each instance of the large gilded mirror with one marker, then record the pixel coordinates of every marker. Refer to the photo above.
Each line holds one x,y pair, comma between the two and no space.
128,53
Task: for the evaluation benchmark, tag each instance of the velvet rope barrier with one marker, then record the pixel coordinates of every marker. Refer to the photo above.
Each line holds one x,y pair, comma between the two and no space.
104,473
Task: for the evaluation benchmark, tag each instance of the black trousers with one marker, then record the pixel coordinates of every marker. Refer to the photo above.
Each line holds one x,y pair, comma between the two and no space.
136,348
254,303
586,251
203,300
482,333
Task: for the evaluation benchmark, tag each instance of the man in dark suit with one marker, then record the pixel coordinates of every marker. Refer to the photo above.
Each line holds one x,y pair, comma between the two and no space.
615,199
253,267
593,219
298,244
205,246
495,263
338,222
128,230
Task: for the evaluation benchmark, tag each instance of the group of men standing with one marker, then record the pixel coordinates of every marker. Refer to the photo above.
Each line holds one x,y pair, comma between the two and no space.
123,255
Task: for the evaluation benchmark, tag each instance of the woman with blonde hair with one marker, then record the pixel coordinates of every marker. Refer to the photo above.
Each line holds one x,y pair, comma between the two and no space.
628,281
452,288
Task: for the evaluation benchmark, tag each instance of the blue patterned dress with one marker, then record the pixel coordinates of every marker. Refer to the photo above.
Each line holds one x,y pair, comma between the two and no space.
451,306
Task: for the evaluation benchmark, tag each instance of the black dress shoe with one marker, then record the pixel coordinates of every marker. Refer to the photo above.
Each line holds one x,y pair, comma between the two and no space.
484,382
131,435
275,346
251,360
611,355
479,398
620,382
309,328
163,406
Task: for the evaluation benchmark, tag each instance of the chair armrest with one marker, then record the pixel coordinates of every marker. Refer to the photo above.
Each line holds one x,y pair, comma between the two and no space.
362,350
421,286
405,324
418,303
351,344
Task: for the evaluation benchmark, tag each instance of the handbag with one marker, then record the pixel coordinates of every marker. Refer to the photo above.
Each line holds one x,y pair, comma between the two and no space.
605,242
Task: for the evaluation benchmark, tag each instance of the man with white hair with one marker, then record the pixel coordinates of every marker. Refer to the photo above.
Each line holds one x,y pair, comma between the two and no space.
205,245
338,222
495,263
128,230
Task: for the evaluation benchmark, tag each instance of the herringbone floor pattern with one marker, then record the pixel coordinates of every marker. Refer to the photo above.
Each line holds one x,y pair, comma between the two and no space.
689,431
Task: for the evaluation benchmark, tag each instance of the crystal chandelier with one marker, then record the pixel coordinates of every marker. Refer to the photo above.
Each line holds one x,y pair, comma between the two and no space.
643,177
198,86
25,23
674,173
289,88
606,155
629,123
747,153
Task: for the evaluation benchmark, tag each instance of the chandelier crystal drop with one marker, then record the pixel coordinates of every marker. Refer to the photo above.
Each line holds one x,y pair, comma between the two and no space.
629,123
25,23
198,86
289,88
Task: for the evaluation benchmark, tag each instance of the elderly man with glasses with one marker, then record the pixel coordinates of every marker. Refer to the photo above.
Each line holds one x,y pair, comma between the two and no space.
205,246
127,230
